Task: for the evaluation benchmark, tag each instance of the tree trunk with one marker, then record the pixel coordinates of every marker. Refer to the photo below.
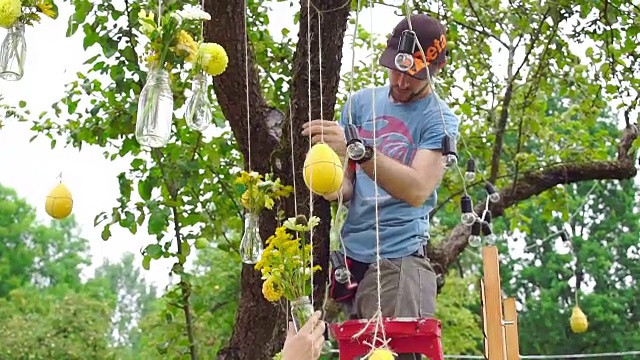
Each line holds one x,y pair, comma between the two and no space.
267,147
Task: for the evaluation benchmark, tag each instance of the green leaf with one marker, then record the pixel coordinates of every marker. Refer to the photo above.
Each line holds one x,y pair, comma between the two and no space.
153,251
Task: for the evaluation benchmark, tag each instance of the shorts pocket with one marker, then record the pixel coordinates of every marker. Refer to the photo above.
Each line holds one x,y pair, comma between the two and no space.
428,293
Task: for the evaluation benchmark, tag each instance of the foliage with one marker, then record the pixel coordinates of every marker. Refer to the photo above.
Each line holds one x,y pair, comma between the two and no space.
286,264
32,253
53,324
27,12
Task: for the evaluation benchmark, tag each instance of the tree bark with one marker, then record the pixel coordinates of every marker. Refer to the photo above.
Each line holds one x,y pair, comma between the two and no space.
269,146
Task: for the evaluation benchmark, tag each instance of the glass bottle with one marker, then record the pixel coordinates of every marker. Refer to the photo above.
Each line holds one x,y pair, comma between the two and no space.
301,311
13,53
198,111
251,247
155,110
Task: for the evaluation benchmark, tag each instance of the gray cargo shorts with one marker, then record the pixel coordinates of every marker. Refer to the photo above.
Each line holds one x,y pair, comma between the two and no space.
407,289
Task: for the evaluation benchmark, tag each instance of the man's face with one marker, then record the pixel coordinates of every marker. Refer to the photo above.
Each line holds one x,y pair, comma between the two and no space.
404,88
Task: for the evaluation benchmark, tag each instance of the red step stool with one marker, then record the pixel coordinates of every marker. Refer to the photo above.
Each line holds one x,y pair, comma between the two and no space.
408,335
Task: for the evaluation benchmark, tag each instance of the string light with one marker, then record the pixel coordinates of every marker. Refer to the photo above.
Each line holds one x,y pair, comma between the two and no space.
404,58
450,157
470,174
468,217
339,266
493,194
475,240
487,230
355,147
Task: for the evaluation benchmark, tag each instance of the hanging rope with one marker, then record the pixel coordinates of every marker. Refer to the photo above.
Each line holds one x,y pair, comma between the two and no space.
564,356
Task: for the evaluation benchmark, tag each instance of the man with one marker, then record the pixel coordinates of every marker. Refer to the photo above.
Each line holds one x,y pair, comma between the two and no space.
410,122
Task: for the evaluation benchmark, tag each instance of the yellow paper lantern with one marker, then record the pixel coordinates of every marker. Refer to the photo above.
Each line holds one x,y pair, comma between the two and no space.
381,354
59,202
578,321
323,173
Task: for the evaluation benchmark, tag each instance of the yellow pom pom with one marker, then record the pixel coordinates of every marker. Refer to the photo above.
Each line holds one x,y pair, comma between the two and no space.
381,354
578,321
323,173
10,11
59,202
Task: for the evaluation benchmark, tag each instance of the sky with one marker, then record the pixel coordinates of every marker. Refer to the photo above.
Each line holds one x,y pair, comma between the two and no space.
31,168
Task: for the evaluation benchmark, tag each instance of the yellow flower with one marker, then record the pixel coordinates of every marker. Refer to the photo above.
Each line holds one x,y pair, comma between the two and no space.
187,46
46,8
10,11
213,58
271,290
145,20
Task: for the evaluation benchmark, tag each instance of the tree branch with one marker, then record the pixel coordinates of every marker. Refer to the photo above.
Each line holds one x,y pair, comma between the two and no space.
535,183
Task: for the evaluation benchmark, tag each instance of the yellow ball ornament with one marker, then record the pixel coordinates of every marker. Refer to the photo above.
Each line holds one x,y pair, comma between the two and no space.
381,354
59,202
578,321
323,173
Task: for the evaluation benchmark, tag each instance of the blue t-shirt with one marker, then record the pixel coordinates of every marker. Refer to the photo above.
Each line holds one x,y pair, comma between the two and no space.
402,129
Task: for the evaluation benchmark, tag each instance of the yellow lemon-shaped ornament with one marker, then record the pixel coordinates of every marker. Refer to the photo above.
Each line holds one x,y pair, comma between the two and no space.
381,354
578,321
323,173
59,202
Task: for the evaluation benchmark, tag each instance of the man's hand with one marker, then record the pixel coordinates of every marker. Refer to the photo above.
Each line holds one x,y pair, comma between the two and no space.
328,132
307,343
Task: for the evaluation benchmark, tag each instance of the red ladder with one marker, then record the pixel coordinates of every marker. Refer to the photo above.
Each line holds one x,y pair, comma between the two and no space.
408,335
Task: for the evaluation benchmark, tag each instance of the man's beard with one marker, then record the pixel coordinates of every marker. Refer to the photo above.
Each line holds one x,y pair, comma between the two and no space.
407,96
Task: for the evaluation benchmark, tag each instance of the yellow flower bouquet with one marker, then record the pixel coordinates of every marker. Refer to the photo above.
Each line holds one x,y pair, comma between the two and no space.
286,267
26,12
14,16
171,43
260,192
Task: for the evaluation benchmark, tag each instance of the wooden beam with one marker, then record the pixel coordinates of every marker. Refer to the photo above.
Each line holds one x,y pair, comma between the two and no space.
511,329
492,300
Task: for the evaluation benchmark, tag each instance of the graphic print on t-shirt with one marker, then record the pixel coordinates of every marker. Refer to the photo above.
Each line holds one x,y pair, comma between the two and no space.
394,140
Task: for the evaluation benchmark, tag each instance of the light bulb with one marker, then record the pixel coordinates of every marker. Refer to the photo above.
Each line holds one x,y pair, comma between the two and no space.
342,275
356,150
450,160
490,239
469,176
404,62
468,218
495,197
475,241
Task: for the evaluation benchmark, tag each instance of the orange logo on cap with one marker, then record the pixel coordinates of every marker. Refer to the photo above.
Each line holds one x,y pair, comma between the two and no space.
431,53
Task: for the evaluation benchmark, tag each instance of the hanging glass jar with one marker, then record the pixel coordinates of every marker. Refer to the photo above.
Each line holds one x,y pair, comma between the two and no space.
13,53
198,111
155,110
301,311
251,247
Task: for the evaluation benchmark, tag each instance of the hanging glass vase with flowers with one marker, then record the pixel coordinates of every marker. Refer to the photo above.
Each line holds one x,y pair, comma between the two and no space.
211,59
14,16
286,267
171,47
260,193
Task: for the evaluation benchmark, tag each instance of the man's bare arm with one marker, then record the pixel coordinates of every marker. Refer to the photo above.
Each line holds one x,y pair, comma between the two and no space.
347,187
412,184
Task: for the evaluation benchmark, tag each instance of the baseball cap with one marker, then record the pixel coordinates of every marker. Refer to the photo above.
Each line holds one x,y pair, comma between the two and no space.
430,33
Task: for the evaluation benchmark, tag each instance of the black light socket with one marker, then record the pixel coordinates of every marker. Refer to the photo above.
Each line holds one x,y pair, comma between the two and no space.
487,217
351,134
407,43
490,188
465,204
337,259
471,165
475,228
448,146
486,229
